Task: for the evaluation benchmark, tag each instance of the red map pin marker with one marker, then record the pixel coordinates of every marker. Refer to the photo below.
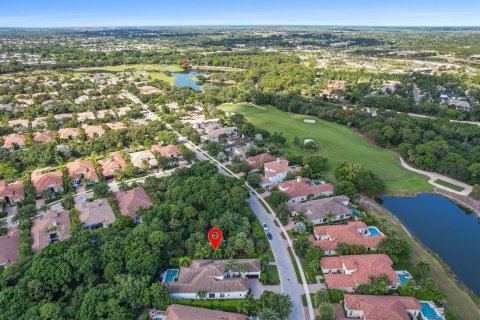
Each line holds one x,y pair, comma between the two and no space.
215,236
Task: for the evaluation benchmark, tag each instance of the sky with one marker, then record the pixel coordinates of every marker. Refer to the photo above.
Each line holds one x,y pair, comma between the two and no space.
98,13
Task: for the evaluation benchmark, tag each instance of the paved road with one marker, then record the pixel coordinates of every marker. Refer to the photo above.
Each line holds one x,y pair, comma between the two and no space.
280,252
436,176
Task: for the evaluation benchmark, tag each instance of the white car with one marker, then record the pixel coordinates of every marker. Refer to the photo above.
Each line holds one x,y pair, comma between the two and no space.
265,227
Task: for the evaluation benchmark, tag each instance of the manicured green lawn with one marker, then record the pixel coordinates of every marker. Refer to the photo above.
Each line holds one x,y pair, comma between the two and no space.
272,275
336,142
224,305
449,185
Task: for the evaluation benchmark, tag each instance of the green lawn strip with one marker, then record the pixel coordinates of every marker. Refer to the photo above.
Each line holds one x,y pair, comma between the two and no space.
297,272
304,298
449,185
337,143
223,305
273,277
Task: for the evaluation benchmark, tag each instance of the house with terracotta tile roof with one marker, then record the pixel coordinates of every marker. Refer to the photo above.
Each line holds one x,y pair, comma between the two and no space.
39,122
111,164
317,210
257,161
381,307
49,180
19,123
170,151
116,125
14,139
13,192
96,214
139,122
275,172
103,113
46,136
132,200
348,272
9,247
49,227
143,159
123,111
84,116
213,277
148,90
93,130
214,135
181,312
67,133
302,189
63,116
79,169
354,233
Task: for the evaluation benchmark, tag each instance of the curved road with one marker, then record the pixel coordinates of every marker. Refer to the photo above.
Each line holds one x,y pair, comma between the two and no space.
288,279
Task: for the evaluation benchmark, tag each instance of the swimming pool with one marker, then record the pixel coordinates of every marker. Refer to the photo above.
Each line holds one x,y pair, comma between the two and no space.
430,313
170,275
404,276
373,231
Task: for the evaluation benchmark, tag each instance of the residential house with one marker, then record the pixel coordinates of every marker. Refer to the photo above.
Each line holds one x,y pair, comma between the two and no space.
214,135
79,169
95,214
316,210
181,312
257,161
139,122
14,139
381,307
19,123
172,106
91,131
113,163
123,111
143,159
67,133
9,247
354,233
148,90
103,113
170,151
12,193
301,189
49,227
46,136
84,116
213,277
116,125
348,272
49,180
276,172
63,116
132,200
235,142
82,99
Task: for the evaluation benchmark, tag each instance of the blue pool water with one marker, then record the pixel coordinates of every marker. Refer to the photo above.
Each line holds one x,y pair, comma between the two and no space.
171,275
404,278
447,229
373,231
428,312
183,79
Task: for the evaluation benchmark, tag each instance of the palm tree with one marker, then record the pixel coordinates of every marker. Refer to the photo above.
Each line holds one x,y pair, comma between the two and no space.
264,262
202,294
326,311
330,216
268,314
123,186
44,207
321,296
184,262
243,267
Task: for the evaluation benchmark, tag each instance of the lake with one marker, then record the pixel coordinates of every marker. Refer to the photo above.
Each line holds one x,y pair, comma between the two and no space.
447,229
182,79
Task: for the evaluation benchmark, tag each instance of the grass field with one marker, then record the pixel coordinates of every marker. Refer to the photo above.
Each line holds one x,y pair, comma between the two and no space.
153,70
449,185
337,143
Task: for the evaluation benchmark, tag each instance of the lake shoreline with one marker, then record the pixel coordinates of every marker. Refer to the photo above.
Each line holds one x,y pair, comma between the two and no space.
461,298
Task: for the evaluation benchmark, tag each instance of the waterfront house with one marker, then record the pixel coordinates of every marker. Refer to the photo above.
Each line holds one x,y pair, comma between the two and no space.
301,189
317,210
381,307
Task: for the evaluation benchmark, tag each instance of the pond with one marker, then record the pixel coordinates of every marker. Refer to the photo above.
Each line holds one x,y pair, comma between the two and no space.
183,79
446,228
